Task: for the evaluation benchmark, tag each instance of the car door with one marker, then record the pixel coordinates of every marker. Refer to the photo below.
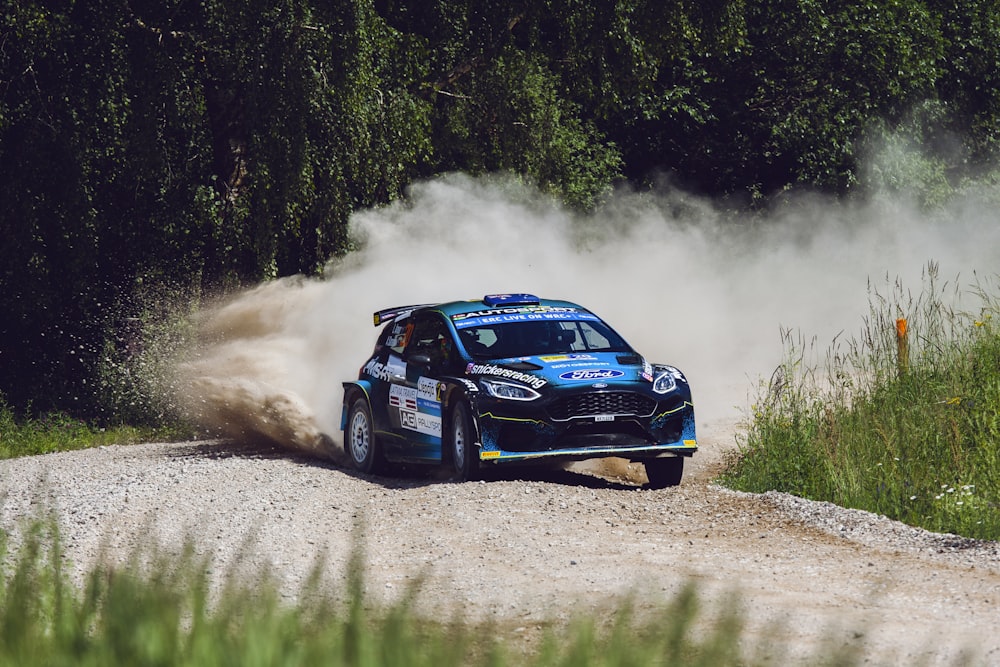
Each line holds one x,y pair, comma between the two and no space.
415,397
385,367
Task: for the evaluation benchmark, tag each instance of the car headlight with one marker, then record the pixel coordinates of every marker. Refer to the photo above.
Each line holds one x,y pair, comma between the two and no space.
510,391
664,382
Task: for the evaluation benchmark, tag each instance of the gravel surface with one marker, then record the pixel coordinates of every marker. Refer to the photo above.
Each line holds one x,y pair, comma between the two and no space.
525,550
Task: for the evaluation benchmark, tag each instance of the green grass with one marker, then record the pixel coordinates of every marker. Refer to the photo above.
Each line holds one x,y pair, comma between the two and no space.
56,432
918,441
914,437
163,610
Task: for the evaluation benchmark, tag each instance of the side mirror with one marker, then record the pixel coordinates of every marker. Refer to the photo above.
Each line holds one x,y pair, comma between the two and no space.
420,359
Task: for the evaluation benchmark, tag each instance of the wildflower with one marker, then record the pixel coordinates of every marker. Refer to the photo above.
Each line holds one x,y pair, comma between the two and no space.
913,497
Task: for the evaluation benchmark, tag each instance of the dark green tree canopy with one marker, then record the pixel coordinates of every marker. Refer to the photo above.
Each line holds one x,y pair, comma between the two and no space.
200,144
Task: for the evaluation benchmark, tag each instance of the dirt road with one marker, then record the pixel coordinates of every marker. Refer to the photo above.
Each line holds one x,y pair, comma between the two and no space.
527,549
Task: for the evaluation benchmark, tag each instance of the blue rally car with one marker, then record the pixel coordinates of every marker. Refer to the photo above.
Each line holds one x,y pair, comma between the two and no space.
513,379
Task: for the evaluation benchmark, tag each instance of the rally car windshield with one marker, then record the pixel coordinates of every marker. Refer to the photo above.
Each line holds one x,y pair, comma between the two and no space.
528,339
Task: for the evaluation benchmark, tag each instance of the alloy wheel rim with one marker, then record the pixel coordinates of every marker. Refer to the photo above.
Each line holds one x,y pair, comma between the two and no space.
359,437
459,435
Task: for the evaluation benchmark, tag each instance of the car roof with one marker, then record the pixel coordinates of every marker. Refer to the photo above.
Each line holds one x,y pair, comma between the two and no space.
498,303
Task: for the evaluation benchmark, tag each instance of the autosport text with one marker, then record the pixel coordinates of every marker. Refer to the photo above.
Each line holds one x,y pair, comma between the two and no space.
525,314
512,311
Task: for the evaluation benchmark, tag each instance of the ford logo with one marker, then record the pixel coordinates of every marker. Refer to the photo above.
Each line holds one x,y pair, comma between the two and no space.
599,385
592,374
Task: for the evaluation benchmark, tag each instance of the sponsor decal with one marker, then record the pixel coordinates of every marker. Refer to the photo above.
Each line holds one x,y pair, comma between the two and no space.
519,314
509,373
420,422
566,357
408,419
403,397
513,310
429,424
377,370
647,371
419,401
400,334
396,366
429,389
489,455
577,364
591,374
428,407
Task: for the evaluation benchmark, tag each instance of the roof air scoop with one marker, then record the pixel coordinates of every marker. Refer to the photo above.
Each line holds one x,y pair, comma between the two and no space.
510,300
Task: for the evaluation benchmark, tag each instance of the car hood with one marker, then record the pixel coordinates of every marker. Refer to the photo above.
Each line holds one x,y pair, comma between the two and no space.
573,368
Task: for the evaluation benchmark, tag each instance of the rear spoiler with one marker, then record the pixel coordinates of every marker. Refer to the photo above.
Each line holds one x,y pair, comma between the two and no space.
389,314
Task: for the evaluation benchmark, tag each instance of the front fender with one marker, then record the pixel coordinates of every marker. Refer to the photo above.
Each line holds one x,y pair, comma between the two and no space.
458,389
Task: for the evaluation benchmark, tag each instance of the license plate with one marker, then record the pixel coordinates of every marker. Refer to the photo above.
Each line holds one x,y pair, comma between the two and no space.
604,418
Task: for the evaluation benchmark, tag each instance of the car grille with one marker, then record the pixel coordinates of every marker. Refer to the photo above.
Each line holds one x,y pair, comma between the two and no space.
602,403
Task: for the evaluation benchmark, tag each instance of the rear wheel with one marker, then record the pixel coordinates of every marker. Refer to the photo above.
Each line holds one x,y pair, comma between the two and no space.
664,472
359,438
462,444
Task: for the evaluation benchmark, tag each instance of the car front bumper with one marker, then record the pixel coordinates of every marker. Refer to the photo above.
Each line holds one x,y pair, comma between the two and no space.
510,433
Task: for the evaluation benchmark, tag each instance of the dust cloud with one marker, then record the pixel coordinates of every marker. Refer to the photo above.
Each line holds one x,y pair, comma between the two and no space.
682,280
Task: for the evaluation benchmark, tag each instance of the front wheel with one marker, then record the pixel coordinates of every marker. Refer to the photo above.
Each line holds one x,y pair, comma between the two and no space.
462,444
664,472
359,438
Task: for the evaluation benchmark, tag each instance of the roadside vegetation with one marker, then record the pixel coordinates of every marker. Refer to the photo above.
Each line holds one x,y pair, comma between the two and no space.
163,610
58,431
150,149
203,146
901,424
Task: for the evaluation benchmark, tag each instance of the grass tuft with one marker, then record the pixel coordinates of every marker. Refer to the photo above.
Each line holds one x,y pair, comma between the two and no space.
160,609
57,431
904,427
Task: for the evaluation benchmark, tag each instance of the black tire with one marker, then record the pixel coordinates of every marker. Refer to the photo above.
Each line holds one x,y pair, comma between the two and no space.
360,442
664,472
462,449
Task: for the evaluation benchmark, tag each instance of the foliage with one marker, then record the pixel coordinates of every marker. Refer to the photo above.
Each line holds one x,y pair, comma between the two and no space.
164,609
526,129
207,145
913,435
59,432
